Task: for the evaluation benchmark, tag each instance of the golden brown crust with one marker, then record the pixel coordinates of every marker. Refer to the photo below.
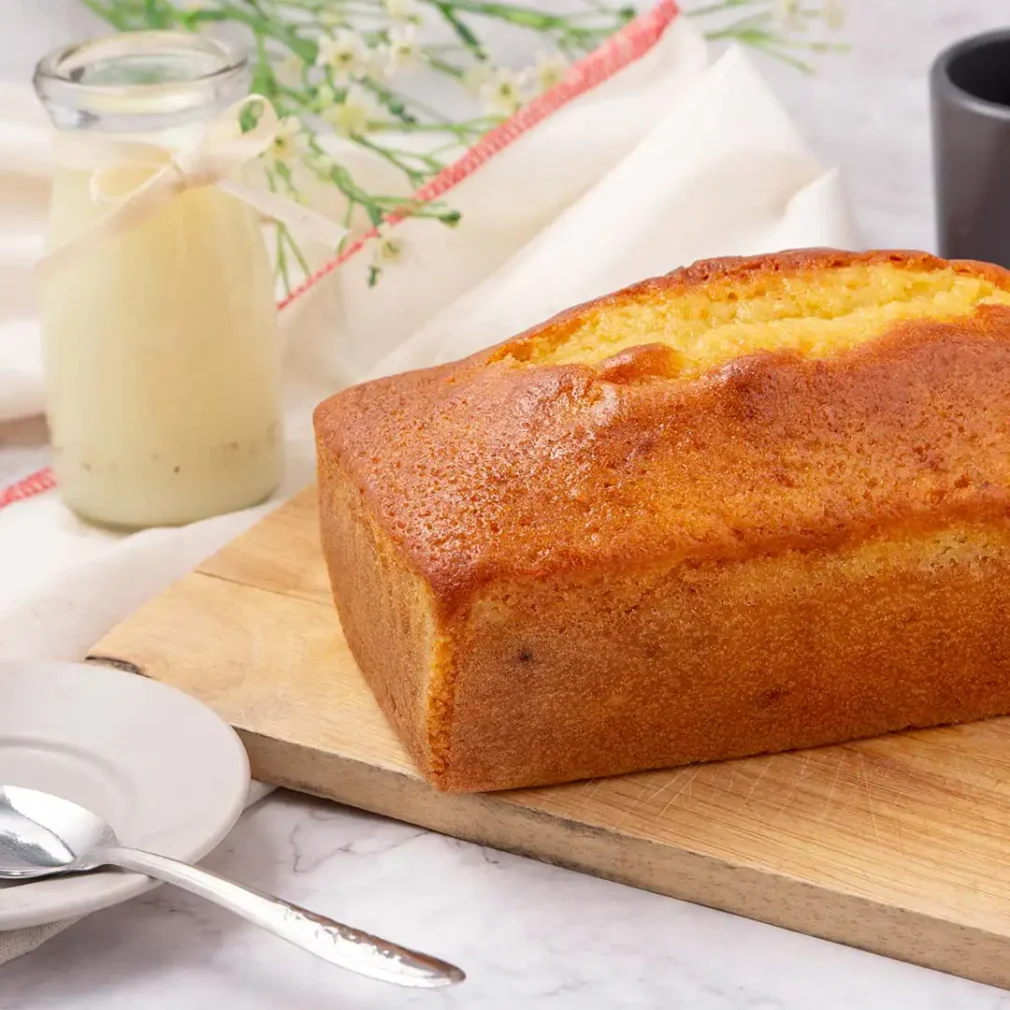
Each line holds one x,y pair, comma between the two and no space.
585,538
586,676
383,608
482,471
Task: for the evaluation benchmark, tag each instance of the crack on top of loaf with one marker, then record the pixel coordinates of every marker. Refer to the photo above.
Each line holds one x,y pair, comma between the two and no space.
676,331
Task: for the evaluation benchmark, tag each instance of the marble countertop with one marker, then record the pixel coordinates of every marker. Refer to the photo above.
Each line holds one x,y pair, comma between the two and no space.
529,935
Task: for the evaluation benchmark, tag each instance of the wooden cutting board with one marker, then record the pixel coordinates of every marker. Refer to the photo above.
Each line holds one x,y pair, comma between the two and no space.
899,845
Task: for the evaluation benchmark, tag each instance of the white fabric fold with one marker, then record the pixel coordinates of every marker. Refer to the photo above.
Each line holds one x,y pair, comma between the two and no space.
667,162
717,175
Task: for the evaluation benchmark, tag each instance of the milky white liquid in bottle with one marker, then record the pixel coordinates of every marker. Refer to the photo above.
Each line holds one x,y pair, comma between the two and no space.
160,347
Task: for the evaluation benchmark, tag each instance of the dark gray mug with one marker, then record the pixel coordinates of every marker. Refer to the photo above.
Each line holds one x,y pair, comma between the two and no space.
970,88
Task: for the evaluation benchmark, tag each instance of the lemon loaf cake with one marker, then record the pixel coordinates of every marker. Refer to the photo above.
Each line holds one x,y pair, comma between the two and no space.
754,505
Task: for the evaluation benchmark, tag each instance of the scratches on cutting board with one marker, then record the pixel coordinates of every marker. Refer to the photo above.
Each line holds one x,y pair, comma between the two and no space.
634,805
684,781
783,792
587,797
733,776
864,778
828,800
665,780
783,804
759,778
858,781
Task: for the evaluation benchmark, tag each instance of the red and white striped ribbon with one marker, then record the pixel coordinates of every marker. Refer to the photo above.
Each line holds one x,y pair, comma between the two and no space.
631,43
33,484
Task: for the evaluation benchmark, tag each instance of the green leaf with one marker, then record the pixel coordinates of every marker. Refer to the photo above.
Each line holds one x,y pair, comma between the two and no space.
461,29
282,27
157,14
118,19
395,105
250,116
525,17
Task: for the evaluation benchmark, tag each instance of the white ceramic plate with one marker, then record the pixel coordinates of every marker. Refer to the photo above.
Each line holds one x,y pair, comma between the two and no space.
162,769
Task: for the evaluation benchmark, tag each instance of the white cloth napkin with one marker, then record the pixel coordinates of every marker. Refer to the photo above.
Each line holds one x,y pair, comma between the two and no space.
669,161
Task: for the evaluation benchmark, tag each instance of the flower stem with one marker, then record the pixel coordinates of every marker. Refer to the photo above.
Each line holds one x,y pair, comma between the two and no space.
287,35
415,177
466,36
305,49
117,20
437,63
719,8
527,17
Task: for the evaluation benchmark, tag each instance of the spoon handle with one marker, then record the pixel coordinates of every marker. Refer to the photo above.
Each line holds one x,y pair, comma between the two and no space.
332,941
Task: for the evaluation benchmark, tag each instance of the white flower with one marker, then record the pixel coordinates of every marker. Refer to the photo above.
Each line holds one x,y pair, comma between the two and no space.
834,13
475,77
550,70
401,10
387,249
345,55
288,139
325,97
787,13
289,68
402,52
333,16
195,7
353,115
503,93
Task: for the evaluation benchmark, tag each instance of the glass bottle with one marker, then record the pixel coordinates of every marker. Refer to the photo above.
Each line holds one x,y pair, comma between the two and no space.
160,343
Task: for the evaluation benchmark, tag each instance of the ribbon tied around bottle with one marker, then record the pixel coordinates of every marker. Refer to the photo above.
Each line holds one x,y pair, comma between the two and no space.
136,179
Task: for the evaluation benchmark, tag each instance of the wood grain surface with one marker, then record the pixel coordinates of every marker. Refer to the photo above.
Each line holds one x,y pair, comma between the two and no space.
899,845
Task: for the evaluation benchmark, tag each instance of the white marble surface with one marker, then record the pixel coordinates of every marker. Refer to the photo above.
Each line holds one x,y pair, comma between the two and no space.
529,935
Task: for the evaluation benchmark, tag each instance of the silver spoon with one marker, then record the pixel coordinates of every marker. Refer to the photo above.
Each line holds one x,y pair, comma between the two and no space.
42,835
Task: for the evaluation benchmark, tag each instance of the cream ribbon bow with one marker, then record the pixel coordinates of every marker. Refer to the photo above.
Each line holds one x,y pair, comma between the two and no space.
138,179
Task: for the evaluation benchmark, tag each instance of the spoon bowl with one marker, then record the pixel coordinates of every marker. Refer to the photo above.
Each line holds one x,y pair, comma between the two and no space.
43,835
29,849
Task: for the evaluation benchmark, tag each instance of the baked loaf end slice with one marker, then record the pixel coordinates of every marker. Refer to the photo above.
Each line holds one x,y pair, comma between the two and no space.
754,505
